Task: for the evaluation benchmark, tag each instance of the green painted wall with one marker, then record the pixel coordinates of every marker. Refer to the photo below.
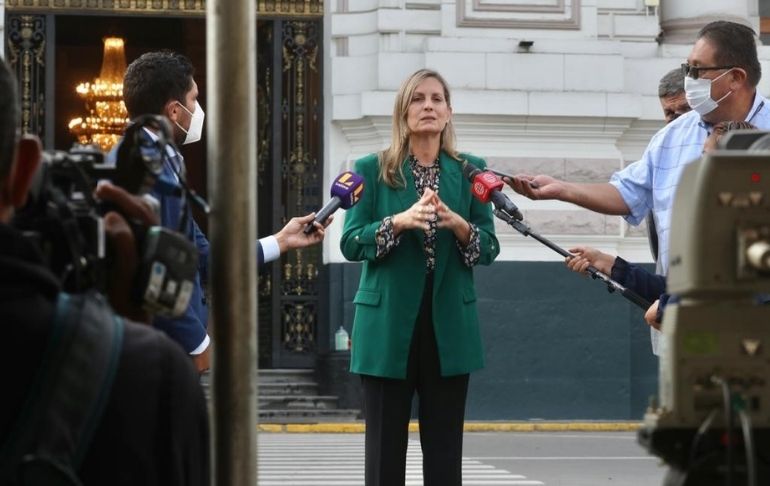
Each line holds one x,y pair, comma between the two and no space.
558,345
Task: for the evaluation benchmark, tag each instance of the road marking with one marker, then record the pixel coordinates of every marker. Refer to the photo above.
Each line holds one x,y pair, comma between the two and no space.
338,460
564,458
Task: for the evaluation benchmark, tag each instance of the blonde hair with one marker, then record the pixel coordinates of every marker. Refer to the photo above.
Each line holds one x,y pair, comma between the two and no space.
391,159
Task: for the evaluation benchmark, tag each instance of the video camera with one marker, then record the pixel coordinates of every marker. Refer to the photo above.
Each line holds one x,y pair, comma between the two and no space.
66,222
712,425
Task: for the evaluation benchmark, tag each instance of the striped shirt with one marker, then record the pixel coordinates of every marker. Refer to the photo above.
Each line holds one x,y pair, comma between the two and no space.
650,183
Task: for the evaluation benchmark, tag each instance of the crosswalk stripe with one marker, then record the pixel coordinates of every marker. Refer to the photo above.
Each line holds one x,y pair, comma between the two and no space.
338,460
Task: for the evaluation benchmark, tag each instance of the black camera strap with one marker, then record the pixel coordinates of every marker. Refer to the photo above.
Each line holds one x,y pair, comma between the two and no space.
64,405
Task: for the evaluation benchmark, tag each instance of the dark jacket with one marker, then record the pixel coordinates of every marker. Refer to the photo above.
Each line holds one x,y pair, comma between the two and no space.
154,429
189,329
651,286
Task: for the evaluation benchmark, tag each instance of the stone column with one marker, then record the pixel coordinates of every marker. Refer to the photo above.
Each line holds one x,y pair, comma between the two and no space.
681,20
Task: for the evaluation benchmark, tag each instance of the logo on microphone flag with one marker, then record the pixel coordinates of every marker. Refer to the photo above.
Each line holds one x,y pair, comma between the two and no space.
348,187
347,179
479,189
356,196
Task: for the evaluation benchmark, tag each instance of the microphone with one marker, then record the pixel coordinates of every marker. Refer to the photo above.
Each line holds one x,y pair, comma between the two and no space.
346,191
486,186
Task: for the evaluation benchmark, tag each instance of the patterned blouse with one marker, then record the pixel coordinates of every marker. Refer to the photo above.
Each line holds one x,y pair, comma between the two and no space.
425,177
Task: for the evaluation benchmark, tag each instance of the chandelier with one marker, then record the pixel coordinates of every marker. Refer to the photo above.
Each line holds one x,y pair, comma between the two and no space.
107,117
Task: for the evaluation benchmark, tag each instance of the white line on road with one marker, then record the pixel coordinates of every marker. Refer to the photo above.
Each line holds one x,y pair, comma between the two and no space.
339,461
565,458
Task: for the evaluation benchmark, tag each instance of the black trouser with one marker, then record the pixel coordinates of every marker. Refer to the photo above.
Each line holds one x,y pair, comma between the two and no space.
388,405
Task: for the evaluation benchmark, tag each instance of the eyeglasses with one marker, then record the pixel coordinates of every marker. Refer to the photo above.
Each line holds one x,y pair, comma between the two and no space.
694,71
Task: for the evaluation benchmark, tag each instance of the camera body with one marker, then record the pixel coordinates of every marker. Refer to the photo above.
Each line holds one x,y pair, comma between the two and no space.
65,221
712,422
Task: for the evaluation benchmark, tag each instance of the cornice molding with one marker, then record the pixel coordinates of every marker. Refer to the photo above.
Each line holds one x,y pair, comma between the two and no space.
178,8
516,135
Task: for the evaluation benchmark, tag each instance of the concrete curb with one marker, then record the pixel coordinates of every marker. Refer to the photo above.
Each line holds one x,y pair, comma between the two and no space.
358,427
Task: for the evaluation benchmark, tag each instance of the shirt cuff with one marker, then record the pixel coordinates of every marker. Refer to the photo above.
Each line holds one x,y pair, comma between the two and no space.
270,249
619,271
202,346
472,251
385,238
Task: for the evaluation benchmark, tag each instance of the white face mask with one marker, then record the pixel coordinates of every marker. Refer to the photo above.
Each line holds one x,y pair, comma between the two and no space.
698,94
193,134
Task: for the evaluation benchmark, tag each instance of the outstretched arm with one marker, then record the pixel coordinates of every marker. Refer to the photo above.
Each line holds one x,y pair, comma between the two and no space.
600,197
292,236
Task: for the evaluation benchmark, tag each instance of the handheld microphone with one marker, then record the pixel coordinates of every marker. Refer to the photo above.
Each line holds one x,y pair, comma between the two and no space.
486,186
346,191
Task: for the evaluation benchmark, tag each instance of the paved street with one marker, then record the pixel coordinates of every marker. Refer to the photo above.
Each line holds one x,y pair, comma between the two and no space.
499,459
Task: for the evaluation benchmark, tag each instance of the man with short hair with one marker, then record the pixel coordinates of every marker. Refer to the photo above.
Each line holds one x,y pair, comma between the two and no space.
162,83
671,94
722,73
153,429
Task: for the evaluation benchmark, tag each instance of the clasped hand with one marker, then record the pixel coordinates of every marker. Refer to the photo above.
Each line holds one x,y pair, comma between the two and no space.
429,208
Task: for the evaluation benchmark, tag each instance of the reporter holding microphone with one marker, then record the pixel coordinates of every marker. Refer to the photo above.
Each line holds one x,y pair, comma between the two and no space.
419,233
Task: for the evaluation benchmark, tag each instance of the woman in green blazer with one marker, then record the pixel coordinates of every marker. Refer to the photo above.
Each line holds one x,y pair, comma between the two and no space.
419,232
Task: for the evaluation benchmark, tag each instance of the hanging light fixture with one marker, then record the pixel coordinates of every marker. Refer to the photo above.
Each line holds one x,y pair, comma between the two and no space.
107,116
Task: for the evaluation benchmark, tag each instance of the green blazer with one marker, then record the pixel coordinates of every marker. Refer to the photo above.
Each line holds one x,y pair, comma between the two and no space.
391,288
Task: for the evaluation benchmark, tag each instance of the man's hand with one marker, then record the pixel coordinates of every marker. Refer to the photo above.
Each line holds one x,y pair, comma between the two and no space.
601,197
292,235
202,361
537,187
651,316
585,256
125,259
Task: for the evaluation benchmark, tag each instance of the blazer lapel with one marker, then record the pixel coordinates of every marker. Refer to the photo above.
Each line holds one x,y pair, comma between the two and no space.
407,195
450,185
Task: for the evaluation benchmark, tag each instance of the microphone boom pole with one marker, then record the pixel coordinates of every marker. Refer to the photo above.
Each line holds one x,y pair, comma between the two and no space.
612,285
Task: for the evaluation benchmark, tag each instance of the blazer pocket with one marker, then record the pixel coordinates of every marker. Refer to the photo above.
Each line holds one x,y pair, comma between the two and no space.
469,295
367,297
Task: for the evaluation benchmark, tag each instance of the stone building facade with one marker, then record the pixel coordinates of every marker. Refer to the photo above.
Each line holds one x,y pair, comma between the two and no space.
561,87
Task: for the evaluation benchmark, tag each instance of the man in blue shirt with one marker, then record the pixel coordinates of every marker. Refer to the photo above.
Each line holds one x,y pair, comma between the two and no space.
722,73
161,83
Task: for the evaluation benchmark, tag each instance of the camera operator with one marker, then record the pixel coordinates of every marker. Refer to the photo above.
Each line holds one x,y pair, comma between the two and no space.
152,429
162,83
